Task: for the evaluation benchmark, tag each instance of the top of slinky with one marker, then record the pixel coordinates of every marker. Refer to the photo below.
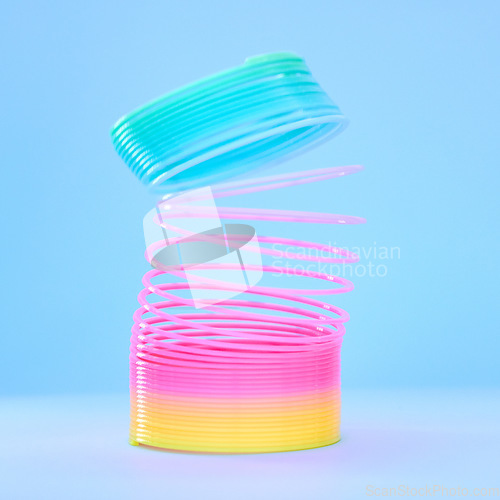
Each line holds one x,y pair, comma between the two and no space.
227,124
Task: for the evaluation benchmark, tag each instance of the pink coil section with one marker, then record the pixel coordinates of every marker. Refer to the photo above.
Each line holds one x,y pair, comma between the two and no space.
258,372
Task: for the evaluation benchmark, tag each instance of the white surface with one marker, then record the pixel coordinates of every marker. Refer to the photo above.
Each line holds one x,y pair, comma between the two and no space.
76,447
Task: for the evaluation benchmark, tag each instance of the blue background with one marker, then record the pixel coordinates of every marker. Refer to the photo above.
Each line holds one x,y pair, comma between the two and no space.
419,83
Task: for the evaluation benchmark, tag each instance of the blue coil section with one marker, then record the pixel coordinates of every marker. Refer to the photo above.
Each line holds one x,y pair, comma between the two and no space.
228,124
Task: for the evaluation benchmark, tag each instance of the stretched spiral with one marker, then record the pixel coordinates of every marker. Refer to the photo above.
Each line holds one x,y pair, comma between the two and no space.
249,374
220,362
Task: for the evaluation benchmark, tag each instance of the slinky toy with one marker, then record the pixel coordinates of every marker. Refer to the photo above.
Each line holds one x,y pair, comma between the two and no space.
219,362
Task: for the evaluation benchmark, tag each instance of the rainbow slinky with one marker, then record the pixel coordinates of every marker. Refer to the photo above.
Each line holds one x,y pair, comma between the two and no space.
259,372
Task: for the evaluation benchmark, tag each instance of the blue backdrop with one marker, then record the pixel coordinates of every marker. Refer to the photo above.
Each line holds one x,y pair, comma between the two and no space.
419,83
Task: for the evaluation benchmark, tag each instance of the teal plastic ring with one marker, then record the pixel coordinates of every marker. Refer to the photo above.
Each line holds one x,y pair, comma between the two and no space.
227,124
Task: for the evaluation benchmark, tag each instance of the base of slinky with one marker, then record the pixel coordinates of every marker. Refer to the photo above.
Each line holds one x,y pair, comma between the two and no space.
235,425
230,450
244,408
